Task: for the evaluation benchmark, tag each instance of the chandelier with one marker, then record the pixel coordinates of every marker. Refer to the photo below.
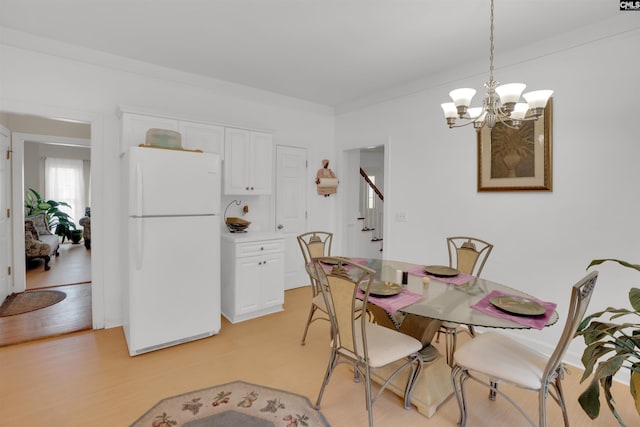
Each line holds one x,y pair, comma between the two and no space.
500,103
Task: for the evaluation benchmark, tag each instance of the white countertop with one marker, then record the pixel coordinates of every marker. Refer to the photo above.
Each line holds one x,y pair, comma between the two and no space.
251,236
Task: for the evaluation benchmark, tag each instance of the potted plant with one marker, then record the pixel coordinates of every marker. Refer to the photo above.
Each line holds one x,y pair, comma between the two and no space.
59,221
75,236
610,347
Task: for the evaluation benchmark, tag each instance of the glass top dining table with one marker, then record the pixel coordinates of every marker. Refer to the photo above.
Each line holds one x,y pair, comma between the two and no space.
447,302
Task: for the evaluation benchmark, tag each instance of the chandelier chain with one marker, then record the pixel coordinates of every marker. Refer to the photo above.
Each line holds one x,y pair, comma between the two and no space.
491,45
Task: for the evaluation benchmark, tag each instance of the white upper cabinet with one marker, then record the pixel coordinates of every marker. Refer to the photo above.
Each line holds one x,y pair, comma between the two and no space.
135,126
195,136
202,136
248,166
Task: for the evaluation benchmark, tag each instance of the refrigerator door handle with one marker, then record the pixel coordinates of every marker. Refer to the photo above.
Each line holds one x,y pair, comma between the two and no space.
138,191
139,247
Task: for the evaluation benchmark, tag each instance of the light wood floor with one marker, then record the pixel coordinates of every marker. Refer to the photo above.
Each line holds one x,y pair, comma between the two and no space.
88,378
71,267
70,315
70,272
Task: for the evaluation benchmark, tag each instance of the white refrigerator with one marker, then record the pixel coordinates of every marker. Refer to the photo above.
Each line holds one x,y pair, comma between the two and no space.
173,292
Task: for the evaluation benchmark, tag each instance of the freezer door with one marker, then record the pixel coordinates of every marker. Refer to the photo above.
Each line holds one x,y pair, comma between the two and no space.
173,182
174,281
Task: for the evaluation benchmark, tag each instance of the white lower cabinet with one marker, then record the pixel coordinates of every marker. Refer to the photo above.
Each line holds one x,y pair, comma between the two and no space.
252,282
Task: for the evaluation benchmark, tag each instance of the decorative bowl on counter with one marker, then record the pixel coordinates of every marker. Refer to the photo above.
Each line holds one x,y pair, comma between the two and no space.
237,225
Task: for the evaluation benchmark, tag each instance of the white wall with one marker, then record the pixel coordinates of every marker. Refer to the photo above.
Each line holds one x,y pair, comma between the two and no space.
42,77
543,240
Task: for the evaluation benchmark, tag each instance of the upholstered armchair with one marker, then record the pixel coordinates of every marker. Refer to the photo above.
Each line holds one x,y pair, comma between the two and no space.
36,248
85,222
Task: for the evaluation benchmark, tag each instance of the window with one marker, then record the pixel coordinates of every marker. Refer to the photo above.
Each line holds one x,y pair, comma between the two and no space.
64,182
371,195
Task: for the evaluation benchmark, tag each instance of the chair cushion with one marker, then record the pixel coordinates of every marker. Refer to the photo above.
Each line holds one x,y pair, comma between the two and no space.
386,345
502,359
35,248
40,222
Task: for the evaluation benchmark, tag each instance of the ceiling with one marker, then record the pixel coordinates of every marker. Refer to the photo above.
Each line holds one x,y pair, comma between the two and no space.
330,52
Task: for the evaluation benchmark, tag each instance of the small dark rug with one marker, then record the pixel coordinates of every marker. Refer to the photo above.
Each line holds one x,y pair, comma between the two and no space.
29,301
232,405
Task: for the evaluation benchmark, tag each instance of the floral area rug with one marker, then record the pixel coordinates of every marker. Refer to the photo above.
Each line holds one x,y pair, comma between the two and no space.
25,302
234,404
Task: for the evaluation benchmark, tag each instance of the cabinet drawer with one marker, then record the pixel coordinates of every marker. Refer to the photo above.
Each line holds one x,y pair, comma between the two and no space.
261,247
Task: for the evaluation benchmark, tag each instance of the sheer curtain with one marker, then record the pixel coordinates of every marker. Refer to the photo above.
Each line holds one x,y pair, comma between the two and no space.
64,182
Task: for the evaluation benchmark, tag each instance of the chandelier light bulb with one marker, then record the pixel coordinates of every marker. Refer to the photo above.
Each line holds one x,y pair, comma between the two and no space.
474,113
519,111
462,97
537,98
510,92
450,110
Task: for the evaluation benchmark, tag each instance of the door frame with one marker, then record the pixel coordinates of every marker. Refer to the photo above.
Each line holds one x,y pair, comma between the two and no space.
6,278
96,122
18,190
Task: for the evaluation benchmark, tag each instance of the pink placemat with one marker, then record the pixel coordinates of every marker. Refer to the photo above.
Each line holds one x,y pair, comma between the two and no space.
458,279
394,303
537,322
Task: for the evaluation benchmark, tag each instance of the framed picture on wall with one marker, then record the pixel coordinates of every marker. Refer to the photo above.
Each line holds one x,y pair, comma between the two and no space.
516,159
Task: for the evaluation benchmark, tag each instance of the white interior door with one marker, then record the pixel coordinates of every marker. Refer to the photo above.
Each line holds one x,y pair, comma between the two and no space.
291,210
5,221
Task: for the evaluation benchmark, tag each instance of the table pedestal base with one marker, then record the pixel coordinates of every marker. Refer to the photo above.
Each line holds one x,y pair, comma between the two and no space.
433,386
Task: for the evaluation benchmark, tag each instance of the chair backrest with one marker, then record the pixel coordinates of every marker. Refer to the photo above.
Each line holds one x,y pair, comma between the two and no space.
468,254
580,296
315,244
341,283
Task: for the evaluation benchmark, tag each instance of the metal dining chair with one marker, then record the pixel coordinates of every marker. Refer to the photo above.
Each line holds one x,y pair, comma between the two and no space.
315,244
356,340
468,255
492,358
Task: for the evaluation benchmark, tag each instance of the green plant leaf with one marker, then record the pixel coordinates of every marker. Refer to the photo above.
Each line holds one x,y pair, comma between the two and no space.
606,387
634,299
623,263
590,399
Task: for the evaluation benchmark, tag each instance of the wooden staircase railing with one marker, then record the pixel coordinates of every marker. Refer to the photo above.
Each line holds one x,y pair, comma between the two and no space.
371,184
371,217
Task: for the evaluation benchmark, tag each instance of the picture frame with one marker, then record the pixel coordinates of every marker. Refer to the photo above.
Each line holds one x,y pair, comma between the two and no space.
517,159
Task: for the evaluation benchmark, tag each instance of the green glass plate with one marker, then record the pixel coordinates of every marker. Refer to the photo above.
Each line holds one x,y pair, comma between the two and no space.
382,289
441,270
518,305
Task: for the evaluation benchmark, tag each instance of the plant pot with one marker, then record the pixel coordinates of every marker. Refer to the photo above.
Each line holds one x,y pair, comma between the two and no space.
75,236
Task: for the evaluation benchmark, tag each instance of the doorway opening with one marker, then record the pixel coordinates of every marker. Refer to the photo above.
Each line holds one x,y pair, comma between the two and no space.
364,201
39,139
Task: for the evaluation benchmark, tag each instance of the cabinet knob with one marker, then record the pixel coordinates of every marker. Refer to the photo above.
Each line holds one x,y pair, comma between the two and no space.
246,188
260,263
262,248
252,188
280,226
264,262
